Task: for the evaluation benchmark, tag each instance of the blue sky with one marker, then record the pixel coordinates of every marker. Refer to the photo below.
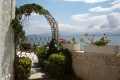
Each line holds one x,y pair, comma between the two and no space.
76,17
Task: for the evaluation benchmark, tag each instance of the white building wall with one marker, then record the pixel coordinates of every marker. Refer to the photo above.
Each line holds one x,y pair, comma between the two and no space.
7,48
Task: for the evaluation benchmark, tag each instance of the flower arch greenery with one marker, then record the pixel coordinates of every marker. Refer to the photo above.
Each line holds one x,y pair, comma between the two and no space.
26,10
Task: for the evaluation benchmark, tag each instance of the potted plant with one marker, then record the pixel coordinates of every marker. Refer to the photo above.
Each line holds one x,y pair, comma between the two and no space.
70,45
99,46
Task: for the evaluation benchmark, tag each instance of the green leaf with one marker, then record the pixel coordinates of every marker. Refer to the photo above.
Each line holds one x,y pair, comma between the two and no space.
86,35
81,39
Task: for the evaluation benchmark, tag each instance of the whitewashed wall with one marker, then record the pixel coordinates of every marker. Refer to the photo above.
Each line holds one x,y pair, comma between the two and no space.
7,13
70,47
109,49
92,66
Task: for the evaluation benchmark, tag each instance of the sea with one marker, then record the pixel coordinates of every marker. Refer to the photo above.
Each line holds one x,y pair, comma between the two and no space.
114,40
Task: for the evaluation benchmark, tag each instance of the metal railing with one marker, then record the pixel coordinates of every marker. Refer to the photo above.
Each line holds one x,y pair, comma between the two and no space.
27,47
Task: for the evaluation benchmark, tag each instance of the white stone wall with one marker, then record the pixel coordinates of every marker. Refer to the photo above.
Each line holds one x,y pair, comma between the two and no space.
92,66
109,49
70,47
7,48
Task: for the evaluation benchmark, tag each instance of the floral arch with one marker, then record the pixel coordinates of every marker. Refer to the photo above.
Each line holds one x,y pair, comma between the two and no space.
26,10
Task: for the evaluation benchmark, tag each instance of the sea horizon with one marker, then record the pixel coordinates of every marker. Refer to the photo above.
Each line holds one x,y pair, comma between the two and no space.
114,39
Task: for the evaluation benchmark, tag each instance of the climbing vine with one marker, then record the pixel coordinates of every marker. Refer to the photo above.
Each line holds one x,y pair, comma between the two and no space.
26,10
19,32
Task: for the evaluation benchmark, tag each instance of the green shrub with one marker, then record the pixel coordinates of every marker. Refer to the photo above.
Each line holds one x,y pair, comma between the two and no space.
22,68
101,42
57,62
41,52
57,58
69,72
46,65
59,65
68,64
25,46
